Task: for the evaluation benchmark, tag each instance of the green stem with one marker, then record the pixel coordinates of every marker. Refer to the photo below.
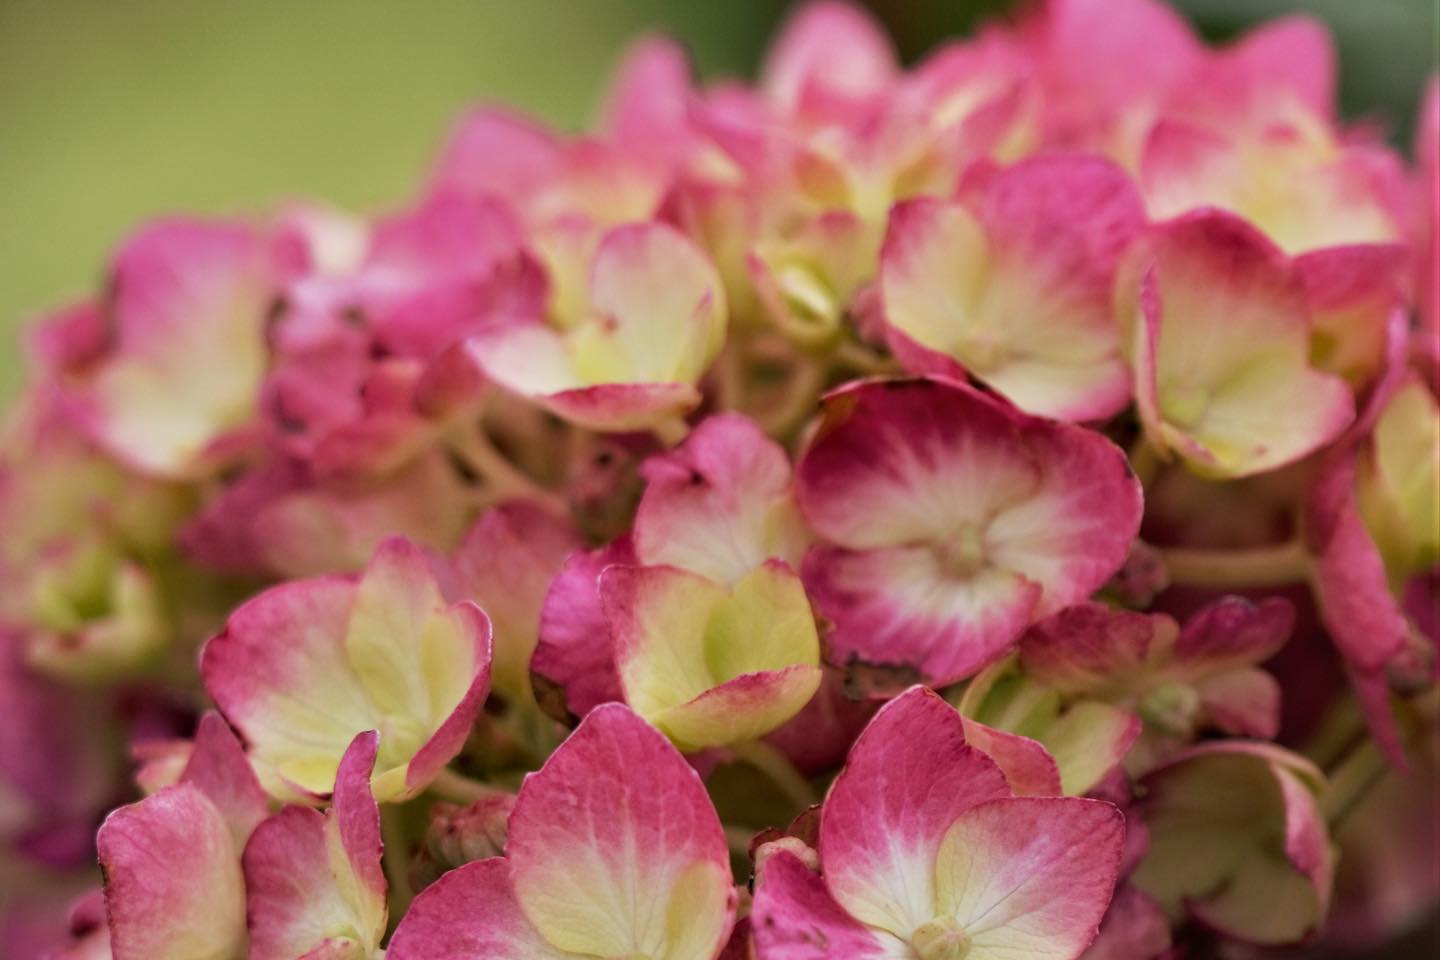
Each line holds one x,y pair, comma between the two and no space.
1269,566
396,840
1352,781
458,788
800,399
780,771
502,478
1144,461
861,358
739,839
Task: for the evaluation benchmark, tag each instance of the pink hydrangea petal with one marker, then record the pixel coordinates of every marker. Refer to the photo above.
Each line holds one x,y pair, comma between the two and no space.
895,608
314,882
1028,767
494,151
173,885
189,307
997,517
647,107
1030,876
834,46
505,564
1229,404
575,656
1092,648
616,849
471,913
1018,290
720,504
1352,292
1235,632
908,777
1134,928
795,918
218,766
1244,702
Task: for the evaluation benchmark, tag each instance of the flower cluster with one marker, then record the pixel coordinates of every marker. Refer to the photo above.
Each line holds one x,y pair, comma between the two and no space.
965,512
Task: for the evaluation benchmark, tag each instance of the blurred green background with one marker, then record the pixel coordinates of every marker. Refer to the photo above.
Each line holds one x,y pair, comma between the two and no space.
115,110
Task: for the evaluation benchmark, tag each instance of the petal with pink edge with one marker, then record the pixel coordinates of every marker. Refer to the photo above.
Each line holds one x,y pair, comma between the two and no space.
303,667
173,886
984,518
831,51
314,884
616,849
909,776
1028,767
219,767
711,666
471,913
1214,814
1017,289
720,504
795,918
1221,351
1028,876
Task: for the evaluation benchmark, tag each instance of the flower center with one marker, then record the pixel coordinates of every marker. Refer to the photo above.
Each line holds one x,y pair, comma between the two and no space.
963,554
941,939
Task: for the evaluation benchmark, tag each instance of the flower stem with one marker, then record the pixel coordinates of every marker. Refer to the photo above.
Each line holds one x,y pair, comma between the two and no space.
502,477
396,840
1144,461
1354,777
1269,566
779,770
458,788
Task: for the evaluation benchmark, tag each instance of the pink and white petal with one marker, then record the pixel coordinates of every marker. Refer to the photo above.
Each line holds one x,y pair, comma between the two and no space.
830,45
794,917
720,504
1222,347
529,359
1075,530
499,153
661,306
189,306
1030,876
740,710
356,824
218,766
314,882
1057,226
909,776
900,462
646,110
659,618
1294,54
622,407
616,849
470,913
1094,649
1244,702
817,738
1028,767
279,673
505,564
575,657
173,886
1348,573
896,608
444,672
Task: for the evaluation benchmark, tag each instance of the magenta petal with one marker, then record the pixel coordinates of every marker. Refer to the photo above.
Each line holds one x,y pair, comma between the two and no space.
218,766
795,918
470,914
575,655
173,886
